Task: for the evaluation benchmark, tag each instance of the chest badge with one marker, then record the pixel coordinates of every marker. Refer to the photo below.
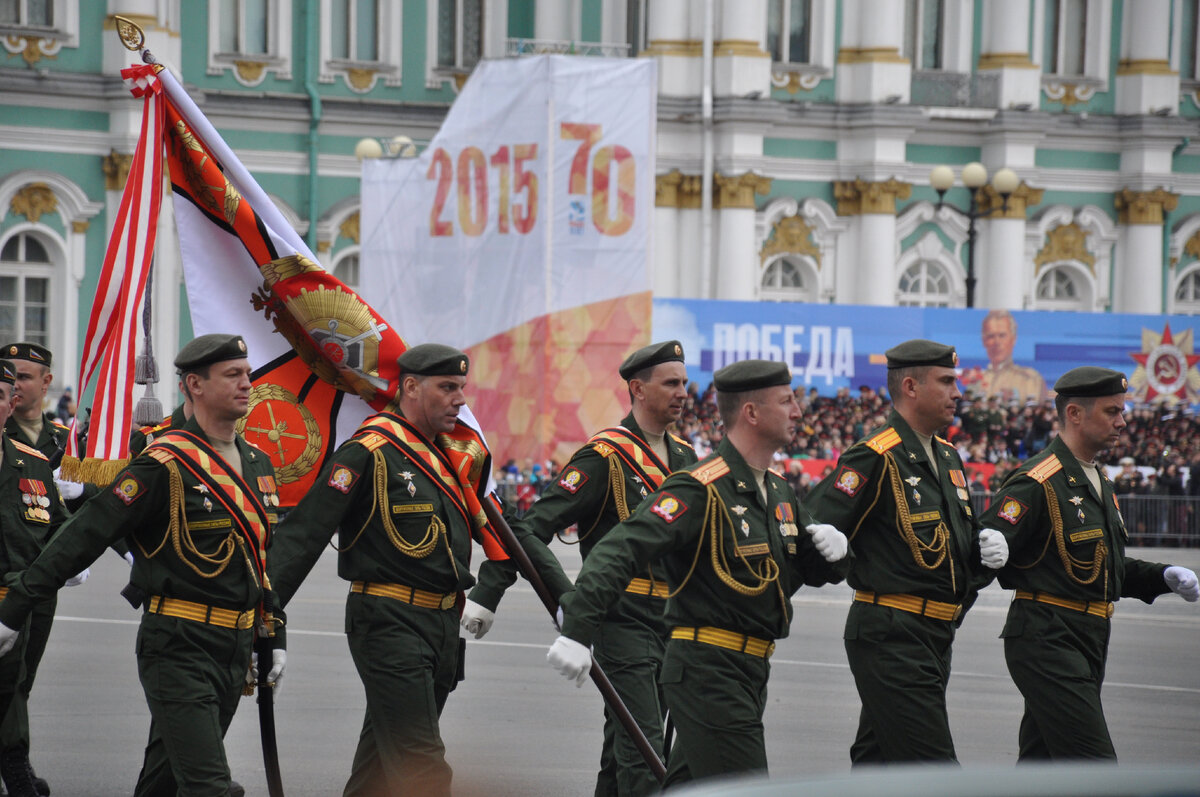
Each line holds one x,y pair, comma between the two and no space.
738,510
207,504
745,528
913,480
407,476
916,497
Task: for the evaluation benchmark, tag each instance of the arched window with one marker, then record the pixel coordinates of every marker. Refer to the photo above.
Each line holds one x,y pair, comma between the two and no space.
1059,289
788,280
346,270
25,271
1187,294
924,284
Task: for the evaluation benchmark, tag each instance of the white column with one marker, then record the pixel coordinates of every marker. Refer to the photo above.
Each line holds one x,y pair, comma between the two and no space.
673,37
870,67
556,21
1000,265
1006,52
1138,278
741,64
736,265
1145,81
876,275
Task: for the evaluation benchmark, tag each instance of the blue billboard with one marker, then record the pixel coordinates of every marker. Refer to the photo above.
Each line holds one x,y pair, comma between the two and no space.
1016,355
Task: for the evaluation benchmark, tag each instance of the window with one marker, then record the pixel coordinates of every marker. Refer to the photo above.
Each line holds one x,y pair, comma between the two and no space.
789,31
1184,40
1066,40
37,29
25,270
1187,295
635,25
459,33
250,38
1062,288
788,280
27,13
354,30
346,270
924,284
923,33
244,27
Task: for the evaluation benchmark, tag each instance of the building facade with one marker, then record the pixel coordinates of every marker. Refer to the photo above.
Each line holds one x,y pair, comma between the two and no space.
795,139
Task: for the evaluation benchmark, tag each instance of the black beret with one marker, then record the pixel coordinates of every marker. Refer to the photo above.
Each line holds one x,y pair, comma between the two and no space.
433,359
7,372
752,375
1091,381
915,353
27,351
209,349
656,353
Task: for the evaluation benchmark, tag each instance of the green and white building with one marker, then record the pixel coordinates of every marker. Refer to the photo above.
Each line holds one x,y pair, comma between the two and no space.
795,139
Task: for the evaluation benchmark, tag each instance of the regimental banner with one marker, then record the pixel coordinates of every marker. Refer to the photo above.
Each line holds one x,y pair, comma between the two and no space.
1017,355
521,234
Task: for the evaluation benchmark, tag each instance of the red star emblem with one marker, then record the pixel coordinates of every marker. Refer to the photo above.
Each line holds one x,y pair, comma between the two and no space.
1166,369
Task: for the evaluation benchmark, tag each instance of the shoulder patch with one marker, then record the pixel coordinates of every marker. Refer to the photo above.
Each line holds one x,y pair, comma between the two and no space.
341,478
30,450
572,479
849,481
668,507
1045,469
128,488
1011,510
710,471
884,441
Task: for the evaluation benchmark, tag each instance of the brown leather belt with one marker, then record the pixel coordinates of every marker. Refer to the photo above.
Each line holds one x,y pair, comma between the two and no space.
912,604
730,640
1103,609
200,613
645,586
406,594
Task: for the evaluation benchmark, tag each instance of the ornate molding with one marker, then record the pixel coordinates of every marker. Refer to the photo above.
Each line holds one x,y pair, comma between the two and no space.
33,200
793,81
857,197
1143,207
360,80
740,47
1019,201
32,48
1192,247
1005,61
666,189
691,190
250,73
115,166
737,191
685,48
1069,93
870,55
790,235
80,226
1145,66
324,246
1066,242
349,227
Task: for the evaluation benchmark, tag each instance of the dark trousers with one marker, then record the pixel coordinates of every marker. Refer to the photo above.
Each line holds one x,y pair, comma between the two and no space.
1056,658
407,658
12,670
631,656
901,666
716,698
14,730
192,674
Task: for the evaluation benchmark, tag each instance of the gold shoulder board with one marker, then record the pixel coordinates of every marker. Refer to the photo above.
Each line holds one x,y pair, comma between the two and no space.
1045,469
710,471
24,449
884,441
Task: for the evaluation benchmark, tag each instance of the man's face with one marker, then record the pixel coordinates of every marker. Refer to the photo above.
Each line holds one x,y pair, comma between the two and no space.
1100,426
998,339
33,379
6,402
778,415
433,402
936,398
225,392
664,393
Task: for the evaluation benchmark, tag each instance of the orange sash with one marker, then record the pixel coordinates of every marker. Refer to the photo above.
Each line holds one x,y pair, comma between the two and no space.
634,452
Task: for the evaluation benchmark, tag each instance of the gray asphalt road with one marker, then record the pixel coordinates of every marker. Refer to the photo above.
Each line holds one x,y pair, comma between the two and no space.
516,728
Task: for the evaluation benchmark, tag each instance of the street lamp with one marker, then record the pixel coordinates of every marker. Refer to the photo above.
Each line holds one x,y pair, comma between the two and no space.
974,177
395,147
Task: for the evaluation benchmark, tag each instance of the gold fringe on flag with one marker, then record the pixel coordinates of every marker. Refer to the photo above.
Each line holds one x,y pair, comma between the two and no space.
92,470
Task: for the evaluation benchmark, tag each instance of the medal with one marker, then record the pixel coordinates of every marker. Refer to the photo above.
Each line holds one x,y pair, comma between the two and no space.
745,529
916,497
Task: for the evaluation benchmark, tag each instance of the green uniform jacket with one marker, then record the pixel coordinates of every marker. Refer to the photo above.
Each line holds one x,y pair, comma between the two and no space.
137,503
673,526
581,494
1051,517
51,440
935,552
345,496
30,513
140,438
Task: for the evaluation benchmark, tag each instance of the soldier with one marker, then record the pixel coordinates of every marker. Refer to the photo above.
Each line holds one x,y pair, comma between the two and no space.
1003,377
600,486
40,430
406,541
31,512
901,495
198,506
1068,567
726,534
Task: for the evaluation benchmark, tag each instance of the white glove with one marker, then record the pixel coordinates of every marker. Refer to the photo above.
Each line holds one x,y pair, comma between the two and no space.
558,619
68,490
476,619
993,549
8,638
1182,582
76,580
830,542
278,663
129,558
571,659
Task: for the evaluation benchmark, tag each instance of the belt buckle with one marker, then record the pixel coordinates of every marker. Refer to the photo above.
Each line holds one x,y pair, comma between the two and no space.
957,612
1110,609
448,601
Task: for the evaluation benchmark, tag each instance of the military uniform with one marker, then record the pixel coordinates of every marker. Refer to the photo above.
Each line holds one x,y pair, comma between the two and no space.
916,554
731,553
1011,380
144,436
1068,567
599,487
